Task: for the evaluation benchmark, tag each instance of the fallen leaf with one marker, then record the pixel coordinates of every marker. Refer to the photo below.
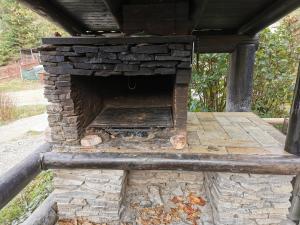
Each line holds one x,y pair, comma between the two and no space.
177,199
188,209
196,200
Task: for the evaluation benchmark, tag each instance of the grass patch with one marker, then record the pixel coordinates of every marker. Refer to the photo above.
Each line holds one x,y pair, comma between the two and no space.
282,128
19,85
28,200
33,133
29,110
22,112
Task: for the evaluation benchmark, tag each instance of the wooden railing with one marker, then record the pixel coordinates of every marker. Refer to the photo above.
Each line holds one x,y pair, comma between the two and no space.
13,181
17,178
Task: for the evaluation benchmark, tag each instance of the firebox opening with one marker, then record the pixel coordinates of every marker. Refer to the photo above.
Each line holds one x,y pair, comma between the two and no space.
134,102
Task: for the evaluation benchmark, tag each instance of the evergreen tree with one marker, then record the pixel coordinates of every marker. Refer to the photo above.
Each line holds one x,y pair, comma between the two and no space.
20,28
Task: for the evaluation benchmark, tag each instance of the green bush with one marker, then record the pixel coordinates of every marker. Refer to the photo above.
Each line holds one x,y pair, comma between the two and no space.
208,86
274,74
28,200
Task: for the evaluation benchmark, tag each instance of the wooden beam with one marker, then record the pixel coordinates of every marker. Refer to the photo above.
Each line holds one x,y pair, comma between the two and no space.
221,43
276,121
292,144
115,7
118,40
262,164
157,18
240,79
270,15
15,179
200,6
50,10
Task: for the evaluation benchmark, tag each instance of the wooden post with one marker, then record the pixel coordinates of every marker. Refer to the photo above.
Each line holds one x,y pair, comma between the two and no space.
240,79
292,143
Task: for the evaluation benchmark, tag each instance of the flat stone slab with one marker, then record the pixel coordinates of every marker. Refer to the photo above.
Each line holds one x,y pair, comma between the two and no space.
224,133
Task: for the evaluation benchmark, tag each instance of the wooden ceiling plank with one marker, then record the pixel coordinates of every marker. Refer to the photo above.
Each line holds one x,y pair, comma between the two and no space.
199,12
268,16
57,14
156,18
115,7
77,16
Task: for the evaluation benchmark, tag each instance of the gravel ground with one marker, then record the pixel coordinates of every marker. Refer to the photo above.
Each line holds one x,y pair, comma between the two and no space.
12,152
18,128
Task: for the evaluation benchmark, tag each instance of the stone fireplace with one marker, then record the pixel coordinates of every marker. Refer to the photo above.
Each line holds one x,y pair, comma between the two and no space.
132,93
121,84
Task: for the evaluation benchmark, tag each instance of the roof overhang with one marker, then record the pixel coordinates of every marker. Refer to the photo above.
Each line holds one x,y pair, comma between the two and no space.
164,17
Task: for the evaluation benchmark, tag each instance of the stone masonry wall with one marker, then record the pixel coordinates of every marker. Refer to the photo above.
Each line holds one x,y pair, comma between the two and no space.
93,195
249,199
153,196
113,196
87,101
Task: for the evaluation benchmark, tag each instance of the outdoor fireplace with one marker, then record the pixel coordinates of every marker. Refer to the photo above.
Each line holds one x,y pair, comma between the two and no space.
117,84
132,92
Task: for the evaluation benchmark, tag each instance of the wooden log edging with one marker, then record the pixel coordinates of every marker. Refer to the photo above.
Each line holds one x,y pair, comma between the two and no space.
276,121
259,164
15,179
45,214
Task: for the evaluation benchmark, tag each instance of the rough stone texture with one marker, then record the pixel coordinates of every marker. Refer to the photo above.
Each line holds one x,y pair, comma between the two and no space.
113,196
178,141
249,199
95,195
150,189
90,140
68,59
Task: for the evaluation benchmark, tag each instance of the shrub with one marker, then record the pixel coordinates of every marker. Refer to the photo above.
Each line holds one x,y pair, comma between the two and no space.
208,86
274,74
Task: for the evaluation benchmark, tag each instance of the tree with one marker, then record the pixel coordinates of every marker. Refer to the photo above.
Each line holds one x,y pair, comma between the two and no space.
20,28
275,69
